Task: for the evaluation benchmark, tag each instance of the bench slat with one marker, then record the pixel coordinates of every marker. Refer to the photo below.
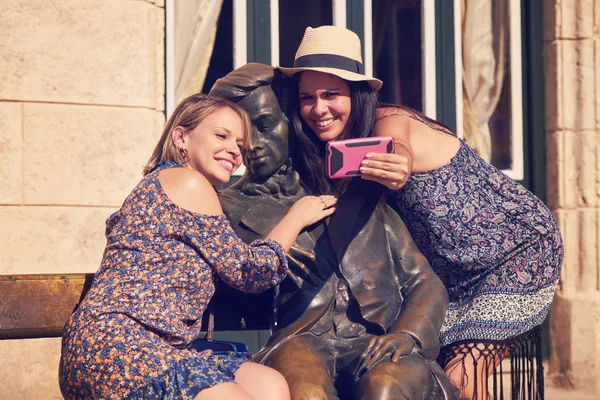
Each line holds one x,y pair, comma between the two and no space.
34,306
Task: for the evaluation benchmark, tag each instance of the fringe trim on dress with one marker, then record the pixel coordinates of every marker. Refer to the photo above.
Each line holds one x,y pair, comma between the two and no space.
526,369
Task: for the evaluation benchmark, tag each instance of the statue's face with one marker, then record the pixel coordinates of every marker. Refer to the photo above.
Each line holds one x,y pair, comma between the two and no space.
267,148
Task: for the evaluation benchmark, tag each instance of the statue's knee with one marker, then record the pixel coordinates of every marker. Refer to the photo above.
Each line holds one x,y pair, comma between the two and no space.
311,391
408,379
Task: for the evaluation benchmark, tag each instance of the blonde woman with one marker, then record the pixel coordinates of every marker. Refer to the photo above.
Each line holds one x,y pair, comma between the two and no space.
130,337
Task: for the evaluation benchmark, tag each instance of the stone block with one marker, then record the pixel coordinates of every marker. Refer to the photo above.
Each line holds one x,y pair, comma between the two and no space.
576,95
572,169
553,85
575,342
577,19
88,52
580,235
597,58
11,153
580,169
52,239
159,44
85,155
597,18
29,369
555,170
569,19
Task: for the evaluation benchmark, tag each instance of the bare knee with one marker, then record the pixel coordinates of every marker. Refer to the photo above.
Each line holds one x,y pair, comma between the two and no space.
227,390
262,382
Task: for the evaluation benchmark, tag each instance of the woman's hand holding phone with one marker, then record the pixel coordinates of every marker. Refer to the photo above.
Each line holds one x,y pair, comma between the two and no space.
378,159
391,170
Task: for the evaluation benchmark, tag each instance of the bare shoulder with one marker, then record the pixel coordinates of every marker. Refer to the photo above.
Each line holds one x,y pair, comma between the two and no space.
190,190
392,121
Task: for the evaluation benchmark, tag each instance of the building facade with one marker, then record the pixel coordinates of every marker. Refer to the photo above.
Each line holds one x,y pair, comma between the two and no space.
85,88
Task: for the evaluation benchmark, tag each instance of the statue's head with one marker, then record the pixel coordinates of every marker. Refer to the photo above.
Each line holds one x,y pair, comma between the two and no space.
259,90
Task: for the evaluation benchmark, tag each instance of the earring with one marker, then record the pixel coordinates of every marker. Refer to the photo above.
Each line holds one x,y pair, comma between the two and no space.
182,153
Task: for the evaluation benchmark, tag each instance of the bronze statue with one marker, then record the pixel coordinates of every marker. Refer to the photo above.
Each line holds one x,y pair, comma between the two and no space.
359,314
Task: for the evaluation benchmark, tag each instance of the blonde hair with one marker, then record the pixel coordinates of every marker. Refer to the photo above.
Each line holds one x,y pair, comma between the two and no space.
190,112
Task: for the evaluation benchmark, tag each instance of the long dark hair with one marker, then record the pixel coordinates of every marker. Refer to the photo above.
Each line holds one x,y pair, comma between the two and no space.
310,152
309,159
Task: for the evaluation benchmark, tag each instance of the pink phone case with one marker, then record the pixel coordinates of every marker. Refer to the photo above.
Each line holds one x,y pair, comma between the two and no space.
344,157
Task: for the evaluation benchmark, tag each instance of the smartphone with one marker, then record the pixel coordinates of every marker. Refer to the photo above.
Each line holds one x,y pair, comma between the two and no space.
344,157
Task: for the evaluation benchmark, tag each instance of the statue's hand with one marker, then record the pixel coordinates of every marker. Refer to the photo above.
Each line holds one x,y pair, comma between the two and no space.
300,262
389,347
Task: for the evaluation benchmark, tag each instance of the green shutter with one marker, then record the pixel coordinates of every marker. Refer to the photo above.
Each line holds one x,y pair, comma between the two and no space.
445,63
258,27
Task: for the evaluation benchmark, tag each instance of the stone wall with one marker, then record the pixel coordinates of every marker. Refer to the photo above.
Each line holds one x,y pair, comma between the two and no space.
572,53
81,107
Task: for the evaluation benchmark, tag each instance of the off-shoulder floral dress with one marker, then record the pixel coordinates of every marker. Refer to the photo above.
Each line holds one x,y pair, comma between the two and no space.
130,336
493,243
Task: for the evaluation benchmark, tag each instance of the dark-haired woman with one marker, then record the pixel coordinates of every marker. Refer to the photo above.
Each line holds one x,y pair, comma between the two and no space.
496,246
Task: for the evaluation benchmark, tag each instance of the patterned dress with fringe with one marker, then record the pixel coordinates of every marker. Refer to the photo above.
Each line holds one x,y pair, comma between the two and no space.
130,337
496,247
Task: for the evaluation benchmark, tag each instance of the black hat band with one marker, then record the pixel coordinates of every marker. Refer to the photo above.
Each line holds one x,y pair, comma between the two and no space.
329,61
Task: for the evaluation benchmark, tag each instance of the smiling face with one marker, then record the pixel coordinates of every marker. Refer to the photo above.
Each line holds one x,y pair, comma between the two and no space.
213,147
324,103
267,146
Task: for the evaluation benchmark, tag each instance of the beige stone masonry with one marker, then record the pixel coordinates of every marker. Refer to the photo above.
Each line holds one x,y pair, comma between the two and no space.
581,169
555,170
579,229
30,369
11,154
52,239
571,176
81,108
575,350
74,51
552,83
570,70
159,52
159,3
570,19
597,18
93,156
572,86
597,72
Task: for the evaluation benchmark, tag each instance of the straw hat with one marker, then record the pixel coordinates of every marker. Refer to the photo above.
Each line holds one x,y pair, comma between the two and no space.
333,50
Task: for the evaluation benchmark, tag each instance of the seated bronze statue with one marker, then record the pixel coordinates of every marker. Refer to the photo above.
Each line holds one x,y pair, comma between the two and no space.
359,314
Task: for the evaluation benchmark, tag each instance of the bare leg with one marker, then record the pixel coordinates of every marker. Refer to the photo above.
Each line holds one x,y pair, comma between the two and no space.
262,382
472,365
252,382
222,391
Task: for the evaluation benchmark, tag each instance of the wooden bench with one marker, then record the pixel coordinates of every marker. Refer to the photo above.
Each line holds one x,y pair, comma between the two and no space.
36,306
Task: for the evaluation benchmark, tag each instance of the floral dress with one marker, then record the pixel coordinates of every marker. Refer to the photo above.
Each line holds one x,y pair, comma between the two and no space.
130,336
495,245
